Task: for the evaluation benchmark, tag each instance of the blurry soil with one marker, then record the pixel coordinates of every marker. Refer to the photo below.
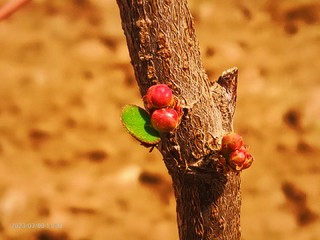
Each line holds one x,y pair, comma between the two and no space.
69,170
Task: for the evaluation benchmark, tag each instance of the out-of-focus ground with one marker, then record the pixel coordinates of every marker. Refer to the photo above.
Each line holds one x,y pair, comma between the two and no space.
69,170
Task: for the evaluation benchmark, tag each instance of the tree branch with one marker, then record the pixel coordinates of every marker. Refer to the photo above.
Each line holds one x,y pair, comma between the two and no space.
163,49
10,7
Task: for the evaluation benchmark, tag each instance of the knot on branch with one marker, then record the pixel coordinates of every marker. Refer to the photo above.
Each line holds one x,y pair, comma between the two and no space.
224,92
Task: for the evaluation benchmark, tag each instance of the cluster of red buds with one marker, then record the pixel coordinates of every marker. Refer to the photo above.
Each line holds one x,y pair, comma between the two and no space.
235,152
163,107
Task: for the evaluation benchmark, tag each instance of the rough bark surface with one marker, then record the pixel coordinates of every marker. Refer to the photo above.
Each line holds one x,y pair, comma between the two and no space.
163,49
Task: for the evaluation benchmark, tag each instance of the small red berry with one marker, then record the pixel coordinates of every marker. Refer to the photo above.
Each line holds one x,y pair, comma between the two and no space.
237,157
164,119
158,96
240,159
231,142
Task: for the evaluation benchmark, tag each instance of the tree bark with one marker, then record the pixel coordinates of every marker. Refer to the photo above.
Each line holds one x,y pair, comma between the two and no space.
163,49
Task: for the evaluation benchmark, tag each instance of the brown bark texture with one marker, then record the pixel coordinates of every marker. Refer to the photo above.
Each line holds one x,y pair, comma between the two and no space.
163,48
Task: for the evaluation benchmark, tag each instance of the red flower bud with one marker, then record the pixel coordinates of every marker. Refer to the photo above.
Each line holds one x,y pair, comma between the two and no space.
240,159
231,142
237,157
164,119
158,96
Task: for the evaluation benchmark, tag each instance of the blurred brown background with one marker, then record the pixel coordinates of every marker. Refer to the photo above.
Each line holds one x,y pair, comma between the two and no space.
67,164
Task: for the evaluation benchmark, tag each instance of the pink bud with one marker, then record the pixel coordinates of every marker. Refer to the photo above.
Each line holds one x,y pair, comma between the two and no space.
231,142
237,157
158,96
240,159
164,119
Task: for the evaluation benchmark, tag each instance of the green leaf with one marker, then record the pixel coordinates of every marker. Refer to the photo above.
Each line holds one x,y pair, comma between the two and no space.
138,123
